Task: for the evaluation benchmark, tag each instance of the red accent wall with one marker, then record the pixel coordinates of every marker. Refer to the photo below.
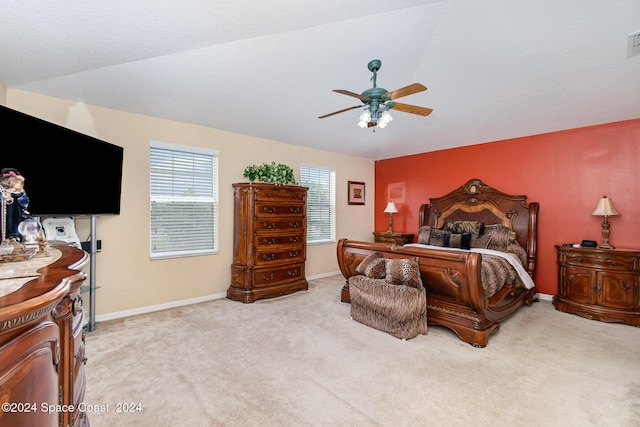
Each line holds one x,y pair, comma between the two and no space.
566,172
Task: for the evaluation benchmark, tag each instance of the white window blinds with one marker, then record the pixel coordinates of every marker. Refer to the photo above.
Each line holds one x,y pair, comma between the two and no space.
184,201
321,203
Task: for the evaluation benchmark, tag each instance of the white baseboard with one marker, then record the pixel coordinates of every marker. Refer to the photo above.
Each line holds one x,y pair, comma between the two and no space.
159,307
180,303
545,297
322,276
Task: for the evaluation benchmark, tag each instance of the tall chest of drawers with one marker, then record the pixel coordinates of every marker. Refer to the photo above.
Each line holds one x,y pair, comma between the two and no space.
270,241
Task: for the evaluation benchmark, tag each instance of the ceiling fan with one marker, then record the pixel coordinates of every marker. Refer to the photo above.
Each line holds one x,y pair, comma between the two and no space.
378,101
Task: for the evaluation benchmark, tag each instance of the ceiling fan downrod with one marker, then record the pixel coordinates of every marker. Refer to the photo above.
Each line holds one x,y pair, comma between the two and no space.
373,66
374,95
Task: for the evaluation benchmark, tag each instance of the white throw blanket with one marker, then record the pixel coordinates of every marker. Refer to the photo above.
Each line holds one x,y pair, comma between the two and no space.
511,258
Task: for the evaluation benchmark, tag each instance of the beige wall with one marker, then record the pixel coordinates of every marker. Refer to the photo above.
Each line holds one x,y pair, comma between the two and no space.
3,93
128,280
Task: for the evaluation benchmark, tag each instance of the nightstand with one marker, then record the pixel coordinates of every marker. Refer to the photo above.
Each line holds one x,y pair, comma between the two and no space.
396,238
599,284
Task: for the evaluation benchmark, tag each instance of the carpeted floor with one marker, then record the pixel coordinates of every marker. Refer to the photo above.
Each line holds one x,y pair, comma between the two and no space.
300,361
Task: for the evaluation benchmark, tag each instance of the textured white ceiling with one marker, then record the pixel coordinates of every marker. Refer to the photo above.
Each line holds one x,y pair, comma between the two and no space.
495,69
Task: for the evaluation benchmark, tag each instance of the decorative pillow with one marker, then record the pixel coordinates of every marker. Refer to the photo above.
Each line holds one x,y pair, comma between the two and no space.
424,233
372,266
459,227
478,241
462,241
500,237
519,251
403,271
436,237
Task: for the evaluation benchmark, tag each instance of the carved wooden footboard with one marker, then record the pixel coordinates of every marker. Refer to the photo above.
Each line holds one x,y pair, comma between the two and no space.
456,298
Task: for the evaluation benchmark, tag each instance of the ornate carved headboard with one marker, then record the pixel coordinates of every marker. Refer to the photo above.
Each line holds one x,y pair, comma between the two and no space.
476,201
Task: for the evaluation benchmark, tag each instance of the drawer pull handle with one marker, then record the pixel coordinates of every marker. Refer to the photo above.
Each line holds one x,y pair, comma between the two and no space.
269,226
293,254
267,278
294,210
268,209
294,239
269,257
294,224
269,241
292,273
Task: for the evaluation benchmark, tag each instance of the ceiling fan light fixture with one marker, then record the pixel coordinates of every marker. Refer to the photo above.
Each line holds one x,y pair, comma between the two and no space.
385,118
365,118
374,115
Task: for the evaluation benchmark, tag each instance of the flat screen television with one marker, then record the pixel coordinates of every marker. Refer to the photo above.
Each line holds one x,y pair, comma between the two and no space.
66,172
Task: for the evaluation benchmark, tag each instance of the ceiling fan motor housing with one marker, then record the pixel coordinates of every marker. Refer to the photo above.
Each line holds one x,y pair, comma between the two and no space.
374,94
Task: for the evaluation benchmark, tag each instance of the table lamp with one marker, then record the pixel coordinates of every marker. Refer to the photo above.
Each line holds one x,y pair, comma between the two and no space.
391,209
606,209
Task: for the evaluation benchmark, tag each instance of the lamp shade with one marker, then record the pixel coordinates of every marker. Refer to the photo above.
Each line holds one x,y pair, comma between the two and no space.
391,208
605,208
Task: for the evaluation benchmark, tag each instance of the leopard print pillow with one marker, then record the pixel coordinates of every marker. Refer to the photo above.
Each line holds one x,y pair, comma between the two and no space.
403,271
373,266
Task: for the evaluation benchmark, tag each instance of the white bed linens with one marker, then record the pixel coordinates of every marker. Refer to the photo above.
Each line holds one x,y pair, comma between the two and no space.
511,258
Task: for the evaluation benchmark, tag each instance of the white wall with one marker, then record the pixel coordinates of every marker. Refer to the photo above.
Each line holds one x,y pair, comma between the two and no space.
127,278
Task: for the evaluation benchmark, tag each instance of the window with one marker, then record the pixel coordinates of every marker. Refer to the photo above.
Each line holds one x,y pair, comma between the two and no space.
184,201
321,203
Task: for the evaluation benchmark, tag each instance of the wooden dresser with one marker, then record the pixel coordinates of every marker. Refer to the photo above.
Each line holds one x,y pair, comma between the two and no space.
599,284
42,356
270,241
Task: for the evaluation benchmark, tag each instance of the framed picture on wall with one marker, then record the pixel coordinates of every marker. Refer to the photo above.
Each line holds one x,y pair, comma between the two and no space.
395,192
356,193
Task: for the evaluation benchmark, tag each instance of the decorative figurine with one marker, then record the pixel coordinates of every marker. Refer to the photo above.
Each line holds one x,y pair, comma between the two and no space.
14,202
42,244
13,213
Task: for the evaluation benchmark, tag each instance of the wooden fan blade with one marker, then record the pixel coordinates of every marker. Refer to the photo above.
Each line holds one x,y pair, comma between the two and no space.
407,90
355,95
340,111
413,109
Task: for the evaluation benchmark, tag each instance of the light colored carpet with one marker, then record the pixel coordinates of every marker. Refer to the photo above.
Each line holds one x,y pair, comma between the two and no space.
299,360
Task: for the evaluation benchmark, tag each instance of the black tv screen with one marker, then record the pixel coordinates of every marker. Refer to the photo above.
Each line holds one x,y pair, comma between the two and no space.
66,172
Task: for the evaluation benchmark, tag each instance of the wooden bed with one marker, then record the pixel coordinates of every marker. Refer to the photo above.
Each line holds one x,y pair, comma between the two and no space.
456,298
